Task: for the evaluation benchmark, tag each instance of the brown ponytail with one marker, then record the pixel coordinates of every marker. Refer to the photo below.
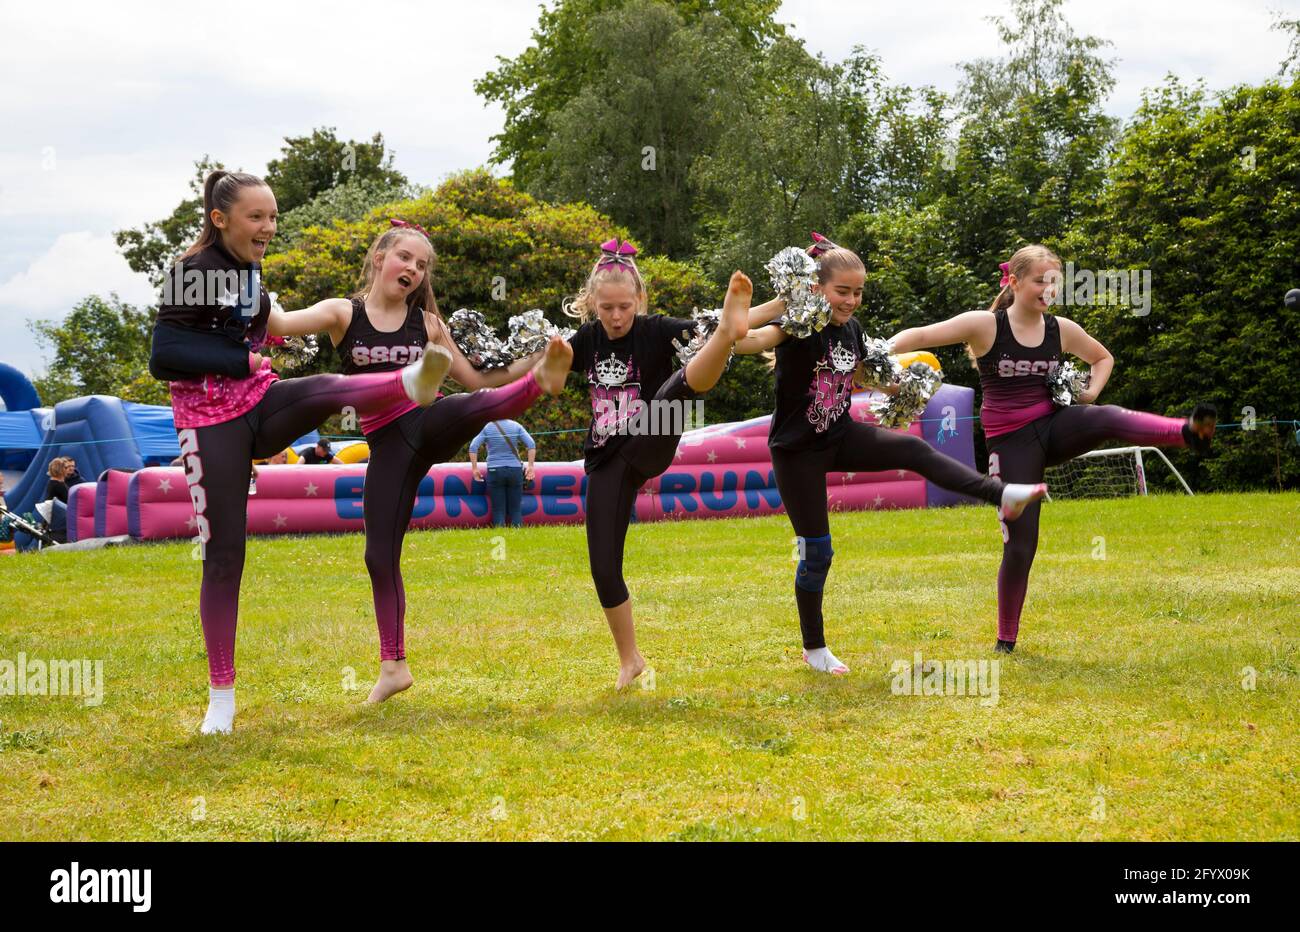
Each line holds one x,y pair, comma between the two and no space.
220,192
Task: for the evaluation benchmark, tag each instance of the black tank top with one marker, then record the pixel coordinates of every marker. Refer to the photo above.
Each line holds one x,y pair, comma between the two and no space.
1013,377
365,349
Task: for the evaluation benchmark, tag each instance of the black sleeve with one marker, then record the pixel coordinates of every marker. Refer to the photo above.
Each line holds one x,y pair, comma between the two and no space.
674,328
181,353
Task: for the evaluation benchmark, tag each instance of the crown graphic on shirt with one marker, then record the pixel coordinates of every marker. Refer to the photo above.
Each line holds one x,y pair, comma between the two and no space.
611,371
842,358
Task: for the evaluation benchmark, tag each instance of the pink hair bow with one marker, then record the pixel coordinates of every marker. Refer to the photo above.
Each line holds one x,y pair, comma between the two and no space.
1006,274
393,221
820,245
614,253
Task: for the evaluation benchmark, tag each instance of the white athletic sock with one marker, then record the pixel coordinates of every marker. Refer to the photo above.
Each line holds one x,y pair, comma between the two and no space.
422,378
221,712
1015,496
822,660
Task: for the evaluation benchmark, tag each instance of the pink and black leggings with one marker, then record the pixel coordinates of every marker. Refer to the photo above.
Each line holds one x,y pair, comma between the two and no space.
218,464
401,453
1023,455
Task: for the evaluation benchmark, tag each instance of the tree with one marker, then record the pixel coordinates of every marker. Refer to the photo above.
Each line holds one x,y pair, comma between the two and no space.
627,144
565,58
100,348
311,165
308,167
1202,193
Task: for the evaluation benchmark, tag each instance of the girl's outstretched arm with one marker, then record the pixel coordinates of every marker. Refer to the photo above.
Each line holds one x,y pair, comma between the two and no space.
330,316
760,340
978,328
1076,341
765,313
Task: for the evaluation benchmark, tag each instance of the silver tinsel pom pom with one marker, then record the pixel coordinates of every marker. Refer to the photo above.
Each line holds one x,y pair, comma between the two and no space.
530,332
291,352
1067,383
793,274
706,321
297,351
483,348
915,388
879,366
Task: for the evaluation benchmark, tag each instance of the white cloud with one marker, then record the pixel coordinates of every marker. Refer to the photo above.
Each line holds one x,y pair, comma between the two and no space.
76,265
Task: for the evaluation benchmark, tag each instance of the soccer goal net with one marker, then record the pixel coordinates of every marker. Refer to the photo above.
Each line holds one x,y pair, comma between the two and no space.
1109,473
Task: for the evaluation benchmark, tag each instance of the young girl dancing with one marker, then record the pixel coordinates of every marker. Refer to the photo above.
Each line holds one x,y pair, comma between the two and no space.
229,406
1015,348
379,329
812,434
627,356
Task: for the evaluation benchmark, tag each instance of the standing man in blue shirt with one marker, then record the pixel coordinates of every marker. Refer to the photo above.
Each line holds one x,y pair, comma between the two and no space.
505,474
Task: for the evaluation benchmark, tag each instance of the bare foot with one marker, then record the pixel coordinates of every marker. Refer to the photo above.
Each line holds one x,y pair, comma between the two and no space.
735,307
423,378
553,368
394,677
626,674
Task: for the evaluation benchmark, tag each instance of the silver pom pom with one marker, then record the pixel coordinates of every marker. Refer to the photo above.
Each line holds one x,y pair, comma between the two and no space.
1067,383
706,321
791,269
292,352
475,338
530,332
297,351
879,366
915,388
793,274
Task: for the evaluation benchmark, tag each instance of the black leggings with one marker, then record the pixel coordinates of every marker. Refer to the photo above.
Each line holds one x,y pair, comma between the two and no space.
401,453
611,495
218,464
801,480
1024,454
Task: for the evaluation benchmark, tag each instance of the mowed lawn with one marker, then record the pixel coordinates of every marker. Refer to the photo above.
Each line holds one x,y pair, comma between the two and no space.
1127,711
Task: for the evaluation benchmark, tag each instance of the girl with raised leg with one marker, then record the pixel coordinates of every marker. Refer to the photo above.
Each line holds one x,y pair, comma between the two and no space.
230,407
1016,344
381,327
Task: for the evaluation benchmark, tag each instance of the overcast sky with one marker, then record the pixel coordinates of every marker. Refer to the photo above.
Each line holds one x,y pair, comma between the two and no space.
103,115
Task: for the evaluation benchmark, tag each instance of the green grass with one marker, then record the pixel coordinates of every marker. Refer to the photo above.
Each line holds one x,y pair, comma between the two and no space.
1121,716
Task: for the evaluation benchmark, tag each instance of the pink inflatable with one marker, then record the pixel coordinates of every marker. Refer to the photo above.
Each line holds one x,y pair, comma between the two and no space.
110,503
81,510
719,471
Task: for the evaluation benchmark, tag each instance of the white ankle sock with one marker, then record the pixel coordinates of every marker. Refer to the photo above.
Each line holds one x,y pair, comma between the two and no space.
221,711
1015,496
422,378
822,660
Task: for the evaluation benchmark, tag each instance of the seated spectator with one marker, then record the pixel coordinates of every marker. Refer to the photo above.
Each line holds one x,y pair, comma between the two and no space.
320,454
57,487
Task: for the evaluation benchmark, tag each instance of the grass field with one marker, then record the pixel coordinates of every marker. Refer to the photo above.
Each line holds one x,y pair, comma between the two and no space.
1124,713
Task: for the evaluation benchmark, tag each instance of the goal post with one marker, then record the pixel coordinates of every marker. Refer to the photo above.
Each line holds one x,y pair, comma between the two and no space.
1108,473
